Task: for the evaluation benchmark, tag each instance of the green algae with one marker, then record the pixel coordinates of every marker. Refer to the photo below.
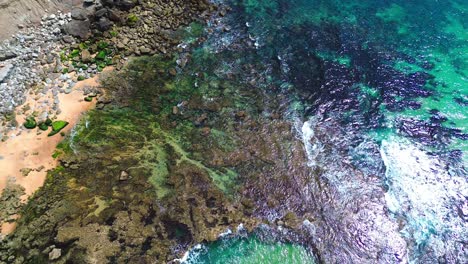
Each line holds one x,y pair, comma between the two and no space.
57,126
159,169
132,19
100,204
225,142
101,55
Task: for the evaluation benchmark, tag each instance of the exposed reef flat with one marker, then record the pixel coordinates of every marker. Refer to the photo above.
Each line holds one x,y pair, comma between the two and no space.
161,167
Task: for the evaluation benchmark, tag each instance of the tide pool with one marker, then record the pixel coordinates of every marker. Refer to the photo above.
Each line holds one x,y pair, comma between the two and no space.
248,250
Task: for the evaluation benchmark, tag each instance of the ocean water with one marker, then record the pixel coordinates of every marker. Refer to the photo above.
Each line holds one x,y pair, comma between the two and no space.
379,94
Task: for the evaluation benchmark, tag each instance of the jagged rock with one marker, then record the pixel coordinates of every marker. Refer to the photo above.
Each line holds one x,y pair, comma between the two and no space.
78,28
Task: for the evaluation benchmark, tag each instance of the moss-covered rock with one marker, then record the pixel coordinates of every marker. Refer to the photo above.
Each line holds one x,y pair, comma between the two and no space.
30,123
132,19
43,126
48,122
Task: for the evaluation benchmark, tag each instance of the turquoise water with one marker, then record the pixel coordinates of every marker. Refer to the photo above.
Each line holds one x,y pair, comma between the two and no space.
387,80
248,250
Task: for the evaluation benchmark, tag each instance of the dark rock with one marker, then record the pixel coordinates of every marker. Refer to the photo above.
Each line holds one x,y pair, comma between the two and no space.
121,4
6,55
125,4
78,28
115,16
201,119
100,13
104,24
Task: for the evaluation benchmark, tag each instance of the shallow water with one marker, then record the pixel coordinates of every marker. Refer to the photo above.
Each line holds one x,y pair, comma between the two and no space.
246,250
378,92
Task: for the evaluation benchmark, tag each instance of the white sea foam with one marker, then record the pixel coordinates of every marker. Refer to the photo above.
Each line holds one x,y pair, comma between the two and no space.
190,254
312,149
422,191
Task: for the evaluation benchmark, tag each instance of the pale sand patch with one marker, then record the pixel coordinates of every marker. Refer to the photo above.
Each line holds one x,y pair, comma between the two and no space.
29,150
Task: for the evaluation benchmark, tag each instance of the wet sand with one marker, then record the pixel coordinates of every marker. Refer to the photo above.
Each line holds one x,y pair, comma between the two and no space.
33,151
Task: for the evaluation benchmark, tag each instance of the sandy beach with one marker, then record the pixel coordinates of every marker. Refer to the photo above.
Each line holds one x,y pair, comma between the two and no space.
30,150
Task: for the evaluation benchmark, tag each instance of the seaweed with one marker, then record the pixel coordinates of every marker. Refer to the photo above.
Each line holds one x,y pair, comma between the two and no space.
57,126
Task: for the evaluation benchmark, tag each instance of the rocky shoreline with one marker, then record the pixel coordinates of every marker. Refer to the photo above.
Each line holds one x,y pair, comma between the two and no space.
69,47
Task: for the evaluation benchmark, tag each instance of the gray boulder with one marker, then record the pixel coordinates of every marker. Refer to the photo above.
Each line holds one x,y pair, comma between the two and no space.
78,28
79,14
